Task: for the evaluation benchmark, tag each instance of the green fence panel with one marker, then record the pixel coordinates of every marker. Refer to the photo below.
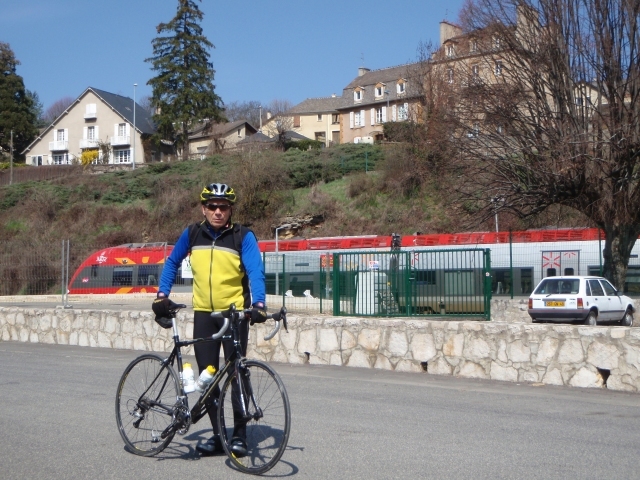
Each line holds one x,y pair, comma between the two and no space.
421,282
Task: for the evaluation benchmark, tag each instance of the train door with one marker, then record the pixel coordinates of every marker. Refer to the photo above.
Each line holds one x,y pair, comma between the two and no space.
555,263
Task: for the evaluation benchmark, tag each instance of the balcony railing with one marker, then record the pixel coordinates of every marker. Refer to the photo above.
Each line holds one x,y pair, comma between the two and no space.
90,115
58,145
86,143
120,140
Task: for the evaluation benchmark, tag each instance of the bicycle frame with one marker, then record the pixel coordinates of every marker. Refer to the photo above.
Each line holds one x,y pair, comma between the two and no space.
182,402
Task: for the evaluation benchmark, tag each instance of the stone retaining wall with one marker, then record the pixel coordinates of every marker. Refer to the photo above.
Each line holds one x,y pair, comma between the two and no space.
551,354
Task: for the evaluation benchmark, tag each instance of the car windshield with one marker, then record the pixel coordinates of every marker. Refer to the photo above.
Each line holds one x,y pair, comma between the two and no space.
558,285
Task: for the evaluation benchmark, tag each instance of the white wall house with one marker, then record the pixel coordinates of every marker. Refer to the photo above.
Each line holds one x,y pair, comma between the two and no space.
94,117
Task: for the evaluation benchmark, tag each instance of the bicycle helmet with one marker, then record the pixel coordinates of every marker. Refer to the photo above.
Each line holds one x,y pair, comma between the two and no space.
218,190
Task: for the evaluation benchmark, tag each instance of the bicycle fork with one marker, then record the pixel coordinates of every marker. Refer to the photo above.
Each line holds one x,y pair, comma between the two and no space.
245,394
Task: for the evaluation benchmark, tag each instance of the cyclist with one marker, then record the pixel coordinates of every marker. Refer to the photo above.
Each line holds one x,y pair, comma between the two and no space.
227,268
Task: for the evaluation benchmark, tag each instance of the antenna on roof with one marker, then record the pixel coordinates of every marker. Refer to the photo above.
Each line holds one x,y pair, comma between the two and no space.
362,58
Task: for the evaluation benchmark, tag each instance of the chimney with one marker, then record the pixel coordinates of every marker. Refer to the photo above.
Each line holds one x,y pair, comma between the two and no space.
448,30
362,71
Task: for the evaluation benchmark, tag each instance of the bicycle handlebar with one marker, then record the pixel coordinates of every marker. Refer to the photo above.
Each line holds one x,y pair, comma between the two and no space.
227,314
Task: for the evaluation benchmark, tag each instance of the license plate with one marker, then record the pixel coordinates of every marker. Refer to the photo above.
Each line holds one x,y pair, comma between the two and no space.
554,304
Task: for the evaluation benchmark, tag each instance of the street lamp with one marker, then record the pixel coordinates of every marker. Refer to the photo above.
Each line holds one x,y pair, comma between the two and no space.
386,92
133,143
286,225
495,200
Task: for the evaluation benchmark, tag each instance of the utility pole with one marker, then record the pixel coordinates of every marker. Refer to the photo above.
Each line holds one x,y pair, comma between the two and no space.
11,161
133,143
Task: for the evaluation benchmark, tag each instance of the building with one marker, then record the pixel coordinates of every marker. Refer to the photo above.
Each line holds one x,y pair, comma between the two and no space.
99,123
318,119
208,139
375,97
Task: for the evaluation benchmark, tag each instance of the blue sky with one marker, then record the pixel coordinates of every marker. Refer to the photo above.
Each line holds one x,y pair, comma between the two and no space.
265,49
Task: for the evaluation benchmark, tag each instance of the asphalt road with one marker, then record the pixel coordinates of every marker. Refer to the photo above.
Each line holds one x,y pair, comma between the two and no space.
57,422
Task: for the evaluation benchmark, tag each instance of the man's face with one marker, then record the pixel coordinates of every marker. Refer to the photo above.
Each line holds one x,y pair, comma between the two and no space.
217,212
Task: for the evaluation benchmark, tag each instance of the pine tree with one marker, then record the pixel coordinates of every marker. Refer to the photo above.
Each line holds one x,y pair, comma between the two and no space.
16,106
183,89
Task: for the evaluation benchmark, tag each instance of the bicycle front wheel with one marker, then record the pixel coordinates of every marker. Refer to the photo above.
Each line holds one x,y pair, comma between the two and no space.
267,421
147,393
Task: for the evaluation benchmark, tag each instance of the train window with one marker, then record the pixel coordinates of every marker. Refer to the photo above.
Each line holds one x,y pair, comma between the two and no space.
122,276
551,272
568,271
425,277
500,281
632,282
526,280
94,271
594,270
148,275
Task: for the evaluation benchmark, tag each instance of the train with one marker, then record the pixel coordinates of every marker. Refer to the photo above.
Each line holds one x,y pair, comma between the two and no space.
305,267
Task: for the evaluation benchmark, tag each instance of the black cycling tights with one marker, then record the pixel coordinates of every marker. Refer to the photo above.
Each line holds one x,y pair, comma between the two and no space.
208,353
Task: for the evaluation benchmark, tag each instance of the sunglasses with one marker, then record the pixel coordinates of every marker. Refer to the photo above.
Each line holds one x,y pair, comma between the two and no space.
213,207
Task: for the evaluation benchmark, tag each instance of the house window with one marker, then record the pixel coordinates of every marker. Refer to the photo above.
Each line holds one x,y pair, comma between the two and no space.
357,95
498,67
91,133
36,160
335,118
449,50
496,42
379,118
319,117
499,129
475,73
450,75
90,111
61,159
60,135
357,117
400,88
473,45
403,112
239,132
379,91
122,129
122,156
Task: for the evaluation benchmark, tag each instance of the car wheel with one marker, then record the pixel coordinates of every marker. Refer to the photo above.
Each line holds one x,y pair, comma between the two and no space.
627,320
591,319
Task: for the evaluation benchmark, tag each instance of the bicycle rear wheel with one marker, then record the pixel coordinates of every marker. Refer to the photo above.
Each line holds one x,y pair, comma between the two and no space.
268,420
146,395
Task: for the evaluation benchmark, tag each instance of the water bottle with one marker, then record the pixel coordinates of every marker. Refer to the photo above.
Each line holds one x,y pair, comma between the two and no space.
188,379
205,378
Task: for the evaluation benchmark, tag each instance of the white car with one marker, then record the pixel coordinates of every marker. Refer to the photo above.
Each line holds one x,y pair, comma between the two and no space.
580,299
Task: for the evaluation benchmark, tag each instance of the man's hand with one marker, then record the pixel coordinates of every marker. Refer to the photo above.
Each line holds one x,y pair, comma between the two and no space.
258,315
162,307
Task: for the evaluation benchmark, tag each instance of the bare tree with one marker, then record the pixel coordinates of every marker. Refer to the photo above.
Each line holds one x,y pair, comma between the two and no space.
249,111
546,113
56,109
279,121
145,102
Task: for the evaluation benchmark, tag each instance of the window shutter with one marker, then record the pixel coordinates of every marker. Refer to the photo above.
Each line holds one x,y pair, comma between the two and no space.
128,130
373,116
84,133
406,111
362,117
115,129
393,113
384,114
96,135
66,134
351,119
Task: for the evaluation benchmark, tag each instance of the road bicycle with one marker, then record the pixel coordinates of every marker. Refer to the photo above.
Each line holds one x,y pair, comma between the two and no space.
152,406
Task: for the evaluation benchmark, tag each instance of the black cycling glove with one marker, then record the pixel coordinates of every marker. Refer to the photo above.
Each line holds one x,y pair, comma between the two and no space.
258,315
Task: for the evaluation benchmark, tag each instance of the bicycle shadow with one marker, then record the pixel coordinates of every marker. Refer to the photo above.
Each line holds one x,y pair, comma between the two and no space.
184,448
